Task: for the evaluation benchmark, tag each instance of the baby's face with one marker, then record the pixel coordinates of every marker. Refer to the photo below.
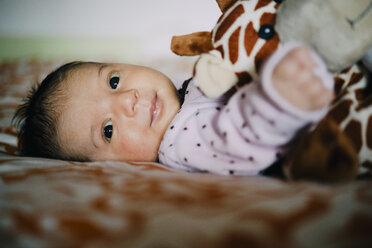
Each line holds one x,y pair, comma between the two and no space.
117,112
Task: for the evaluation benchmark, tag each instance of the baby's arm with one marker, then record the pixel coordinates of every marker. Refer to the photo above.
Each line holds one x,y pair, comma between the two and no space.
248,134
294,90
295,80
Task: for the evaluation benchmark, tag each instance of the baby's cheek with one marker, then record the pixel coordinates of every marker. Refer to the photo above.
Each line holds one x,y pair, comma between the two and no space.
139,146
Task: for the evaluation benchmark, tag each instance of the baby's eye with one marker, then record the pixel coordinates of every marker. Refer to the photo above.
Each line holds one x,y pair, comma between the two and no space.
114,80
108,130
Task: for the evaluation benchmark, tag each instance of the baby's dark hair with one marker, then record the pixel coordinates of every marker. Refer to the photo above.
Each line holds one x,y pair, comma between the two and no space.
37,118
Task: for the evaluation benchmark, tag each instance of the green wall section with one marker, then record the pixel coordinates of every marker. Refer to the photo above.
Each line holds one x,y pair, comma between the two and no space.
46,48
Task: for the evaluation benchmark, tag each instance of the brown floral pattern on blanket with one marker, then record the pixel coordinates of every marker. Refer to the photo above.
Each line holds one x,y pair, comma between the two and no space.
52,203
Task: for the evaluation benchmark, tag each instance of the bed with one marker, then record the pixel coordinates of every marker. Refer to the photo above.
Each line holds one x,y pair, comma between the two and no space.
52,203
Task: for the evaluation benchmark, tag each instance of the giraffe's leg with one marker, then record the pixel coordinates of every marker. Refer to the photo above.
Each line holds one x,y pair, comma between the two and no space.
325,155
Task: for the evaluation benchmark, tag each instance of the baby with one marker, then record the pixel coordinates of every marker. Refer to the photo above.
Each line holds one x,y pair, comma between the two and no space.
87,111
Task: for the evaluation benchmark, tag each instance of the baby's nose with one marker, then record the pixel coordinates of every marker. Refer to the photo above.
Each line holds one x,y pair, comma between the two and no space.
129,100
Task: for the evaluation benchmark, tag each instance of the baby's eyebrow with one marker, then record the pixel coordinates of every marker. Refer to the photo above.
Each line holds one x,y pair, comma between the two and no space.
101,67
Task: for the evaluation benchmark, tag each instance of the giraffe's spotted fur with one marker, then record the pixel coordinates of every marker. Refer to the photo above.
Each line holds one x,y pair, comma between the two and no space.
237,31
353,113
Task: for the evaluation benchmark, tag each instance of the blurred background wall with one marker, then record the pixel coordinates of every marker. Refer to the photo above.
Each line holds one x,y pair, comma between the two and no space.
134,31
112,29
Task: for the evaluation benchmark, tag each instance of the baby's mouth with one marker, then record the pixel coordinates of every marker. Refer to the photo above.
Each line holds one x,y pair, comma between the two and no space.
155,109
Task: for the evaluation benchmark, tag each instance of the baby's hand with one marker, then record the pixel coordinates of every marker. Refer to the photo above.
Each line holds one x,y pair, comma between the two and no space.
294,79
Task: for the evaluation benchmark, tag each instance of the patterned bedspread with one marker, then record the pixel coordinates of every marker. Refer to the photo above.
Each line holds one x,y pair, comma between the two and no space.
52,203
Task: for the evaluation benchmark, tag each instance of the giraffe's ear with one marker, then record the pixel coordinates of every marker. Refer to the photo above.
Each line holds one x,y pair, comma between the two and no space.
225,4
199,42
192,44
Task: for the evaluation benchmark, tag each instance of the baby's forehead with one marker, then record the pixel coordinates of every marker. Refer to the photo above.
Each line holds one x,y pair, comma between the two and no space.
85,68
81,74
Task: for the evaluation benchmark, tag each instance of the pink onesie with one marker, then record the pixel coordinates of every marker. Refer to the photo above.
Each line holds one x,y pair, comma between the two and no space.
241,136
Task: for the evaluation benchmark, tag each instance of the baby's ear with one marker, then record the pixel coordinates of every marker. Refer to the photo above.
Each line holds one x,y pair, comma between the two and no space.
192,44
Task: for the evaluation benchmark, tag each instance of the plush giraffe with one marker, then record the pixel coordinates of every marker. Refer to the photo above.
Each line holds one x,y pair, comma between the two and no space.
245,36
